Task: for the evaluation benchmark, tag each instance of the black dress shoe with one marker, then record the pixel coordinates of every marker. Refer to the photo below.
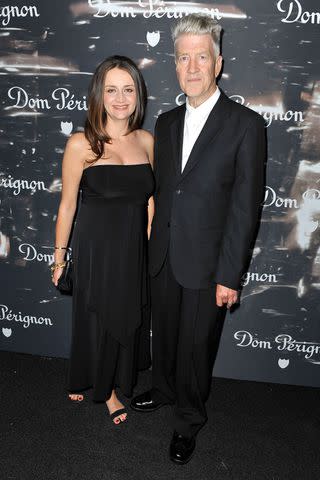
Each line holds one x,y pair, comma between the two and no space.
145,403
181,448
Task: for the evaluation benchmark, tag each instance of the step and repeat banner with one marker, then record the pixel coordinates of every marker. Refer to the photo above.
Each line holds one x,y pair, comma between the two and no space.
49,51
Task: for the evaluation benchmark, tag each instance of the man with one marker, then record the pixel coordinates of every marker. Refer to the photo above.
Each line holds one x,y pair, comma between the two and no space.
209,163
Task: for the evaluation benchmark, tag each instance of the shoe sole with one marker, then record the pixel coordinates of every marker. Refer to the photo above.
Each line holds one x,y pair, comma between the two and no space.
142,410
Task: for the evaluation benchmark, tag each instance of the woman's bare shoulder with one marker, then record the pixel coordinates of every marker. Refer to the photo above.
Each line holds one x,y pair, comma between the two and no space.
146,141
78,141
78,145
145,134
145,137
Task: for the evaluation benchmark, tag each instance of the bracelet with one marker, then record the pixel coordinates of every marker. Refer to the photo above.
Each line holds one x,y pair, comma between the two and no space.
61,248
55,266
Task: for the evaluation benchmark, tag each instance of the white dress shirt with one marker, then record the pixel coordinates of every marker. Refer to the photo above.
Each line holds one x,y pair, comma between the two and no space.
194,121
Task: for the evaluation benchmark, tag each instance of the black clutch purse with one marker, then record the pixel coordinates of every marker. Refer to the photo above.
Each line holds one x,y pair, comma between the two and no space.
65,282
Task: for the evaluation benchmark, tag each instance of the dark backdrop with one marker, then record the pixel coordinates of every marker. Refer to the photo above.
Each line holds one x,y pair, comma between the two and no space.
48,53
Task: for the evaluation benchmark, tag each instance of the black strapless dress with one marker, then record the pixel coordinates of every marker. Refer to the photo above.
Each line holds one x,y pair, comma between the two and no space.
111,314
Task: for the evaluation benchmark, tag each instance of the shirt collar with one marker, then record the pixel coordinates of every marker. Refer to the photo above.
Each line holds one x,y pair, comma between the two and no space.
205,108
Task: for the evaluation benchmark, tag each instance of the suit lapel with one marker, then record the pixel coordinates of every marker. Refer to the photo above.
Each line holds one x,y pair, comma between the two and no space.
213,125
177,138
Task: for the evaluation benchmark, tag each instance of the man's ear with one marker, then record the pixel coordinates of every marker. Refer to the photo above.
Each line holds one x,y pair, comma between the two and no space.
218,66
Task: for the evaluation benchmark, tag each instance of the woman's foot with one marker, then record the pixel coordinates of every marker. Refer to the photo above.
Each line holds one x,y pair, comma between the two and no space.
75,397
113,405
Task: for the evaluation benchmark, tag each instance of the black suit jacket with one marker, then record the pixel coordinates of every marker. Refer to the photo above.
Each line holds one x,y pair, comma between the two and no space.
207,216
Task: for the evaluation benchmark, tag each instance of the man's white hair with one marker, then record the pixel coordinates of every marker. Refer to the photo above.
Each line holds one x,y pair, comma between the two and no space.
198,24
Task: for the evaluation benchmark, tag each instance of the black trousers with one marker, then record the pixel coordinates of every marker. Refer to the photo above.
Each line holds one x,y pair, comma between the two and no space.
186,328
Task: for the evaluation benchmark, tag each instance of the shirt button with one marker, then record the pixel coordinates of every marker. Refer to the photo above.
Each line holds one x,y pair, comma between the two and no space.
178,192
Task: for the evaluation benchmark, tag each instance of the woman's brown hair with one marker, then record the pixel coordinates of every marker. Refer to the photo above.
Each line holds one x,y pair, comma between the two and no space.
95,126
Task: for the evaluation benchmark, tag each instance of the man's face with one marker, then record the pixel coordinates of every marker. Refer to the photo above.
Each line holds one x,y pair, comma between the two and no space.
197,67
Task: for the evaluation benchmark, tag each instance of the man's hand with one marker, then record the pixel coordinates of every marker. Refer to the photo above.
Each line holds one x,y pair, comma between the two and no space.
225,295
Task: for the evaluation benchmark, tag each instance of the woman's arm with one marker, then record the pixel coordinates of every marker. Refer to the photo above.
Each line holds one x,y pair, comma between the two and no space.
150,215
74,157
149,145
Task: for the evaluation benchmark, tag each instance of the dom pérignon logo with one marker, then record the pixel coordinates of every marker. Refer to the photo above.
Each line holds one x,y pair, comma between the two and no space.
7,332
283,362
153,38
66,128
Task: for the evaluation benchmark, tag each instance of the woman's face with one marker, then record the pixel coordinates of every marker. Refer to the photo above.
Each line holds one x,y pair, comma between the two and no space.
120,96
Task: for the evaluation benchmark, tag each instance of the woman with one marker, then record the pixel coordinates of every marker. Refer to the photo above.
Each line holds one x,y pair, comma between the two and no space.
111,164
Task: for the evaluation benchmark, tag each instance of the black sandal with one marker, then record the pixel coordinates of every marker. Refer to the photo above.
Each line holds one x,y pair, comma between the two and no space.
117,413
